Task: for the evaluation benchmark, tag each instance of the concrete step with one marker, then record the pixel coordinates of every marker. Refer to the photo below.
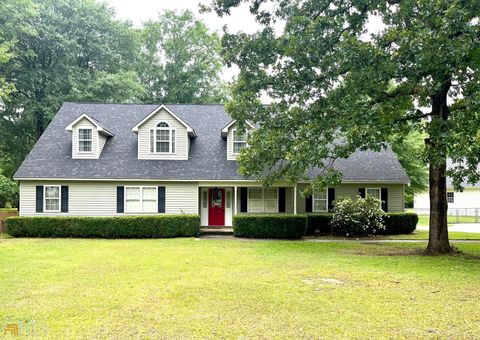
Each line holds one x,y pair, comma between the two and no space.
216,231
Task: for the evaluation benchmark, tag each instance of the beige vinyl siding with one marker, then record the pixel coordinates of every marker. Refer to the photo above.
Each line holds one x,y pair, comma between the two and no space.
100,198
85,124
396,201
181,144
101,143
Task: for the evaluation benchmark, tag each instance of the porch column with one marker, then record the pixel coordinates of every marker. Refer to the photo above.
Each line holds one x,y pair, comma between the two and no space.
235,200
295,199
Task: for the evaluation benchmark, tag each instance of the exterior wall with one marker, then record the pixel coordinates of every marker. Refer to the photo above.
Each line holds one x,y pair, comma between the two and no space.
396,197
101,143
100,198
469,198
288,199
85,124
181,144
230,155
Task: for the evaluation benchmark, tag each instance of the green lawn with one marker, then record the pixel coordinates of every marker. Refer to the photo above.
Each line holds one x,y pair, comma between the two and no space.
187,288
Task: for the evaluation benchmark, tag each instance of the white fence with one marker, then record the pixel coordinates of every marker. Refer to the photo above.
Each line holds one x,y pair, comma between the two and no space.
457,215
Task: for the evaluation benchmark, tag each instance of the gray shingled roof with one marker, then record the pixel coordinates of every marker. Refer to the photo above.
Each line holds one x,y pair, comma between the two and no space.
51,157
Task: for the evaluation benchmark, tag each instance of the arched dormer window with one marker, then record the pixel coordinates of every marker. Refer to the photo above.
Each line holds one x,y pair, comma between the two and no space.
162,138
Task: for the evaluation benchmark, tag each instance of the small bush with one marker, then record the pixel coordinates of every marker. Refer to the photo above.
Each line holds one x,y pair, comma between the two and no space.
319,224
161,226
357,216
282,226
399,223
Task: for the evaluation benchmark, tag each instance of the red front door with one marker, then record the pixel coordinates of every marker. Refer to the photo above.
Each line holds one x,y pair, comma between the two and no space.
216,207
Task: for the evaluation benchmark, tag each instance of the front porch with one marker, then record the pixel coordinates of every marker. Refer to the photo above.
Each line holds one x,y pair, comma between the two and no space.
218,204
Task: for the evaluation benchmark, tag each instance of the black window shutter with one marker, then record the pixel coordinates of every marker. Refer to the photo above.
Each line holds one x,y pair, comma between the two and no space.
331,198
281,200
120,199
361,192
243,199
64,205
39,199
308,203
161,200
384,196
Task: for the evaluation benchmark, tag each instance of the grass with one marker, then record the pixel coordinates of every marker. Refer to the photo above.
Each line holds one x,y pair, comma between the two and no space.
425,219
416,235
8,209
187,288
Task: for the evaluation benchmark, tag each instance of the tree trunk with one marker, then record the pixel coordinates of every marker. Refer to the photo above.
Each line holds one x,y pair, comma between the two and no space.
438,237
437,149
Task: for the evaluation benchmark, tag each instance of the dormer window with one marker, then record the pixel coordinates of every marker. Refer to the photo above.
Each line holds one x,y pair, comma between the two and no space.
162,138
239,141
85,139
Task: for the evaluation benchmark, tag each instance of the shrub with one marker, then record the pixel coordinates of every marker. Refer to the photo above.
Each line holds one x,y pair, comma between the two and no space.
319,224
357,216
283,226
8,192
161,226
399,223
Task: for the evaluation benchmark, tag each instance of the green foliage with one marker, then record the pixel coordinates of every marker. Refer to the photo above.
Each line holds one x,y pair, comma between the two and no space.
281,226
162,226
399,223
357,216
180,60
319,224
8,192
410,153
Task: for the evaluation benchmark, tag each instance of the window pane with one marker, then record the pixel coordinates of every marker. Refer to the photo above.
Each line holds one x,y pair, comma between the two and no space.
84,133
163,135
52,192
320,194
149,193
237,136
205,198
173,141
163,147
270,193
255,193
163,124
152,142
319,205
150,206
132,206
52,204
270,205
85,146
228,199
132,193
255,205
373,193
237,146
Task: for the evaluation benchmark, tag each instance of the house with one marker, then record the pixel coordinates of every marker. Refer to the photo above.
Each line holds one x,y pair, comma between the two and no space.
122,159
463,203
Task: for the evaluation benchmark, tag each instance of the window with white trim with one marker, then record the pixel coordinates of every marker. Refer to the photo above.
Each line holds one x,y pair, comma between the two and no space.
450,197
162,138
85,140
51,198
262,199
239,141
373,192
141,200
320,200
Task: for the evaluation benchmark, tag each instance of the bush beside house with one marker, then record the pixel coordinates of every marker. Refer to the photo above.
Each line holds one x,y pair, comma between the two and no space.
162,226
282,226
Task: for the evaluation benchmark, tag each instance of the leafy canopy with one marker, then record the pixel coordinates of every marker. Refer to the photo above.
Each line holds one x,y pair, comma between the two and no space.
337,88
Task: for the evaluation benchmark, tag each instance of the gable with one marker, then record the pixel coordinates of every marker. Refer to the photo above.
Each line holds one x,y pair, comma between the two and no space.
163,108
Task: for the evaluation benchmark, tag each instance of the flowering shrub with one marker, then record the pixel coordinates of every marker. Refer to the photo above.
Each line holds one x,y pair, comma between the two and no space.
357,216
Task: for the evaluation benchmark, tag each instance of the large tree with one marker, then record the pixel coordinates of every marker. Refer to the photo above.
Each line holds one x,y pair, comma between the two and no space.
335,88
181,60
75,51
